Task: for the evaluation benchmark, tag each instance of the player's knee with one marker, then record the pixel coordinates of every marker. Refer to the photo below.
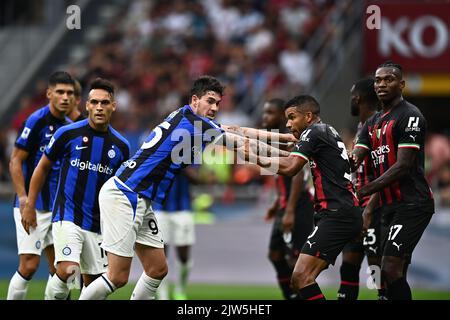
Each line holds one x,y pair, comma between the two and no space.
158,271
392,268
28,265
119,280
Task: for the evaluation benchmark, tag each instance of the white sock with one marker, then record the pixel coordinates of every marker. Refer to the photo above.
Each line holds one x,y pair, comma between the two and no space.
145,288
47,287
163,290
99,289
183,274
18,287
57,289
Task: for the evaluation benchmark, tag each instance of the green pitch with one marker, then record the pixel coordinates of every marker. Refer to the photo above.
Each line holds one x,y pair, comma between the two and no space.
226,292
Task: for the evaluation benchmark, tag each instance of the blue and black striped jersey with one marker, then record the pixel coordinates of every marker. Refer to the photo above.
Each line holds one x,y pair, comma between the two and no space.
171,146
88,158
36,133
179,198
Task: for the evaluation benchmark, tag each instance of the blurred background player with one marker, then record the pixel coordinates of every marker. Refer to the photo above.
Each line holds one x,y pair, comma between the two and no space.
176,221
364,103
395,139
76,115
292,210
36,133
90,151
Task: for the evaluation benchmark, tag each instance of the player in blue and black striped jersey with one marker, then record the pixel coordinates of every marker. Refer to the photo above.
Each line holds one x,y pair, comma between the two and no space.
90,151
29,147
127,218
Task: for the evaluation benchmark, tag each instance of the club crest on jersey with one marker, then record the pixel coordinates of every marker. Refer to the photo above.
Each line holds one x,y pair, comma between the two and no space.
111,153
66,251
85,139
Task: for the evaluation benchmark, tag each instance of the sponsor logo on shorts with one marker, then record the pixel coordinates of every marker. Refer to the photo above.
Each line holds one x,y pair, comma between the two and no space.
38,244
66,251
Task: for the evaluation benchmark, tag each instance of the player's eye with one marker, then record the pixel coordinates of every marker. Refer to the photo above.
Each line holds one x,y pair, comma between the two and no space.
105,102
93,101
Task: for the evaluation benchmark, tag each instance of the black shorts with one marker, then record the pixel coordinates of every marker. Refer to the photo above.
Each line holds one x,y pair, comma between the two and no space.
333,230
370,245
405,224
303,225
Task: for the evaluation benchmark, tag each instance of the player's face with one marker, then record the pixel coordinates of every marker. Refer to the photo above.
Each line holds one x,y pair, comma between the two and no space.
297,121
100,107
272,117
354,102
61,97
388,83
208,105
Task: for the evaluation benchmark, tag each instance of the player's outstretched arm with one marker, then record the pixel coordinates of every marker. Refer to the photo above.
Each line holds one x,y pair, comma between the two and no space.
406,158
263,135
238,143
37,181
18,157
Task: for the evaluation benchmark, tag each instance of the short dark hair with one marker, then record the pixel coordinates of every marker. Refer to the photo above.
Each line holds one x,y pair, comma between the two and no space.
103,84
77,88
204,84
390,64
60,77
304,101
365,89
278,103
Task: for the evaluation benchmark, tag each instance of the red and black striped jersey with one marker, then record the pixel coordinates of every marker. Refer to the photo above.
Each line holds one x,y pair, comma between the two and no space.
383,134
364,174
322,147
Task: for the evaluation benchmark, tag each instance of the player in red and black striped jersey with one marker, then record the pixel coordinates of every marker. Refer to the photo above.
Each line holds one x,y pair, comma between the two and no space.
338,218
292,210
394,139
364,103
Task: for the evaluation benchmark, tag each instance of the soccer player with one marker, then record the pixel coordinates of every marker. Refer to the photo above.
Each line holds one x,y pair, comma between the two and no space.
364,103
128,221
90,151
292,210
337,218
394,139
29,147
177,223
76,115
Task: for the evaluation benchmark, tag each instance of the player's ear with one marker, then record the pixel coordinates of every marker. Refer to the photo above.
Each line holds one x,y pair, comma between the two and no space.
194,101
87,106
402,84
49,92
113,106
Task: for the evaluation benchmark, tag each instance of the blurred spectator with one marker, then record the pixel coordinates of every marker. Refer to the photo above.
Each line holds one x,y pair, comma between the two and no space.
443,183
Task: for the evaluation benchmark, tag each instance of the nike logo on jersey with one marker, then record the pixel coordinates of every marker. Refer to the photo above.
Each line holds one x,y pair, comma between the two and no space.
397,245
80,148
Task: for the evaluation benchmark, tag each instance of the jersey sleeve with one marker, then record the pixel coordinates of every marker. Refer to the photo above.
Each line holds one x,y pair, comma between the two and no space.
28,137
363,140
411,130
55,147
307,144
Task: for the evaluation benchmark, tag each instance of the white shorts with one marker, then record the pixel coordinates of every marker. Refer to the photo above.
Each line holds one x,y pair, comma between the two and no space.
178,227
126,218
39,238
81,246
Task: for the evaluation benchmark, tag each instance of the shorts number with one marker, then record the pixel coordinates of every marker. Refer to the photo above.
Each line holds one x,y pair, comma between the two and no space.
370,238
153,226
344,156
397,228
313,233
103,253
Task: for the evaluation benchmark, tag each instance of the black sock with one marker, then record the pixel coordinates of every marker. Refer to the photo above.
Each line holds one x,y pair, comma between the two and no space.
311,292
284,278
382,294
349,288
399,290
